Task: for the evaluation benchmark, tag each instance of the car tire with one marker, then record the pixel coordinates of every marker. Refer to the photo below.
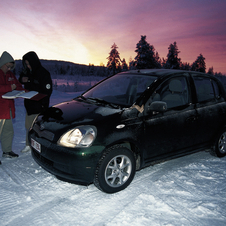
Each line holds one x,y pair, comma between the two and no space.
220,145
115,170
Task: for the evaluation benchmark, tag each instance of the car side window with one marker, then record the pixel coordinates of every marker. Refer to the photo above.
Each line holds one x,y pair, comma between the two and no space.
174,92
206,89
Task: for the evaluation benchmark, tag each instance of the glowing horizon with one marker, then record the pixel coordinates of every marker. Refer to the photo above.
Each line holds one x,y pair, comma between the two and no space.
83,32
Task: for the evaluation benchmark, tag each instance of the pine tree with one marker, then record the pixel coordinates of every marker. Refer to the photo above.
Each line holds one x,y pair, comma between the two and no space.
143,52
185,66
124,65
163,62
173,62
91,69
210,71
114,60
153,61
131,64
146,57
158,60
199,64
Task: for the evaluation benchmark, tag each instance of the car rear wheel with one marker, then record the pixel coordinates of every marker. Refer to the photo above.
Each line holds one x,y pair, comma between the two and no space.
115,170
220,145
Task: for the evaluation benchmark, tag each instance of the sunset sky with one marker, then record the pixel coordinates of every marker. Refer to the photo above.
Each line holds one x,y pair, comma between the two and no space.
83,31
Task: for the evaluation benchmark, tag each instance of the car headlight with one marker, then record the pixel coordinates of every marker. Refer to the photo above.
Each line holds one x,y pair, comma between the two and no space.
81,136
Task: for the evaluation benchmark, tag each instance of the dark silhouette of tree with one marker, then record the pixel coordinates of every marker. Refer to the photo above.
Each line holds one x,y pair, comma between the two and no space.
185,66
91,69
158,60
172,61
124,65
142,50
63,70
199,64
210,71
163,62
146,57
131,64
114,60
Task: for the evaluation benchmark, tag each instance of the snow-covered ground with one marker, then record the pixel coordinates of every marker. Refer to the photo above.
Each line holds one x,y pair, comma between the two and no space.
186,191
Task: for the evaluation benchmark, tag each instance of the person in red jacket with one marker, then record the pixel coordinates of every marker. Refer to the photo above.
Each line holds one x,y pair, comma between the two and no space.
8,82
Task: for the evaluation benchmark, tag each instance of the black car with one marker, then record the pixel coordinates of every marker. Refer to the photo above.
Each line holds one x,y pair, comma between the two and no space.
127,122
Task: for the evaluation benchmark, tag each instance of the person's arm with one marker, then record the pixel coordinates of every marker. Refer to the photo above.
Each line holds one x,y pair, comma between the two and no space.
11,85
16,84
23,78
5,88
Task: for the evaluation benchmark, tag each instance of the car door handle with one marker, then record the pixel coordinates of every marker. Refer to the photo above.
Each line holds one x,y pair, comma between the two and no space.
191,119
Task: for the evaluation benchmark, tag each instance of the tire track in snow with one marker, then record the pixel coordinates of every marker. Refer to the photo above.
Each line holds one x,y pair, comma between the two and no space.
36,212
33,200
13,181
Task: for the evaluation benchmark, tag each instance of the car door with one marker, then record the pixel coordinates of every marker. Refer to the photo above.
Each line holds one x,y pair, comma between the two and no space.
172,131
210,108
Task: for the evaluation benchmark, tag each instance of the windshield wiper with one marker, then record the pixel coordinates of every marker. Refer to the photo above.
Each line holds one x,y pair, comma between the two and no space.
81,97
101,101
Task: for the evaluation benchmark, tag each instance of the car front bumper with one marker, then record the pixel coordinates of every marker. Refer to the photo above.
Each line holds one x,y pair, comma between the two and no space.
75,165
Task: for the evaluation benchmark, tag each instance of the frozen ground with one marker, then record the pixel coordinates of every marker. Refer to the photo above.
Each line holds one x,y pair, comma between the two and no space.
187,191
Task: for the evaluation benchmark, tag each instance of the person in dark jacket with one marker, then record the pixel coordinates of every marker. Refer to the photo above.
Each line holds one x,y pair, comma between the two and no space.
8,82
34,78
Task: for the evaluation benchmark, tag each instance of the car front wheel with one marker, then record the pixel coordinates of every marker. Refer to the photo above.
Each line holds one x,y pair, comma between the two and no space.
220,145
115,170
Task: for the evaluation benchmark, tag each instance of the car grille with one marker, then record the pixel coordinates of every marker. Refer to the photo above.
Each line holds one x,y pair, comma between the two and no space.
43,133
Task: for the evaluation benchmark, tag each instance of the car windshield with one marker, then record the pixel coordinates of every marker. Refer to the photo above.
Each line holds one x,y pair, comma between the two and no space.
122,89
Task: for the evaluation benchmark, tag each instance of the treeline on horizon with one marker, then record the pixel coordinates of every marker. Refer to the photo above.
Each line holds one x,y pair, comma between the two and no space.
147,58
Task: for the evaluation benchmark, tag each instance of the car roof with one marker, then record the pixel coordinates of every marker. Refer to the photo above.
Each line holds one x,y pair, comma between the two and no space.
161,72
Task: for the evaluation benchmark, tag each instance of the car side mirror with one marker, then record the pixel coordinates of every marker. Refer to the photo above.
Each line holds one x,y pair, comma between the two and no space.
157,106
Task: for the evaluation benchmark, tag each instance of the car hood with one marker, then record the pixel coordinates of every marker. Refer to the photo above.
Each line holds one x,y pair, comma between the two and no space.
76,112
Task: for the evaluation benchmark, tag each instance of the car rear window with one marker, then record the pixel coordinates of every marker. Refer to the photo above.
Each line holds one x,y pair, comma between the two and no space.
206,88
